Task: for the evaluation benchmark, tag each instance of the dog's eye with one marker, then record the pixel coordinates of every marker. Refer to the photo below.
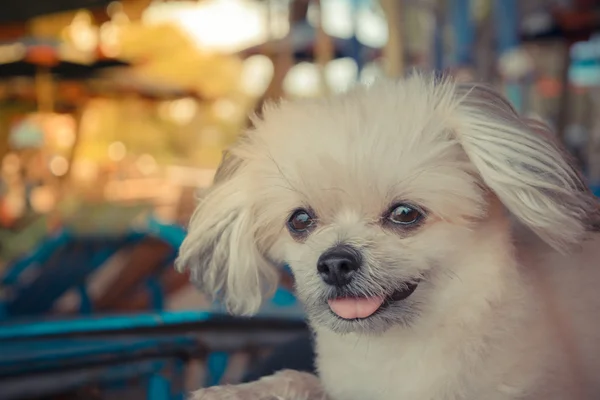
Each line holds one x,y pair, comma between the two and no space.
300,221
403,214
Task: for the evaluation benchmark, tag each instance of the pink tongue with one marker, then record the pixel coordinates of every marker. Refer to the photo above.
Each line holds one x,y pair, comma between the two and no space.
351,308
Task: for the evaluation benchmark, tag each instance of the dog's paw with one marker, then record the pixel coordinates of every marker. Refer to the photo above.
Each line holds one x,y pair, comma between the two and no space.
284,385
230,392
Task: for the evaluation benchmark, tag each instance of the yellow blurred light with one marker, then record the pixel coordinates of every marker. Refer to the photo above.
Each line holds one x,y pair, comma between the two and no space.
85,170
257,74
303,80
12,52
110,31
59,166
341,74
279,16
180,111
371,28
225,25
14,204
62,128
82,33
371,73
110,39
117,151
337,18
146,164
11,163
225,109
515,64
42,199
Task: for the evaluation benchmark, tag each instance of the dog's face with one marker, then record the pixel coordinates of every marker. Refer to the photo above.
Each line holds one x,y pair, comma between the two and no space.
375,199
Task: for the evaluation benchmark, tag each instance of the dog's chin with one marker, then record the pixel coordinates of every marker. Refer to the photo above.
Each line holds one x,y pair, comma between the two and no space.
344,312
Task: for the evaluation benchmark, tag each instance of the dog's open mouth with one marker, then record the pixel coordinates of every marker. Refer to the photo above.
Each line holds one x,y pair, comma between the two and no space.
364,307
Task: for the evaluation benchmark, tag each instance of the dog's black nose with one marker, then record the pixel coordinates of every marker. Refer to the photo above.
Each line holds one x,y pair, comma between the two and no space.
337,266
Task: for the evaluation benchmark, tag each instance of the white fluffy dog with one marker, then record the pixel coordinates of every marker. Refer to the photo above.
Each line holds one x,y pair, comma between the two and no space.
444,248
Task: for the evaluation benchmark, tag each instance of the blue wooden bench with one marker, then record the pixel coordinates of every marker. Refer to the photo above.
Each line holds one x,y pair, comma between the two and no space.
26,367
103,349
30,344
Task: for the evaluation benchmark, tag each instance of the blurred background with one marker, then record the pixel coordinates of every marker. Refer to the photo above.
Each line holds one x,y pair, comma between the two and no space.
114,116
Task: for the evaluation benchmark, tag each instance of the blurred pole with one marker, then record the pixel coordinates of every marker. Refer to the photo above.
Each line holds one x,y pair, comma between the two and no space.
438,38
593,158
485,67
324,49
356,49
394,48
507,31
282,56
44,88
562,118
76,143
462,25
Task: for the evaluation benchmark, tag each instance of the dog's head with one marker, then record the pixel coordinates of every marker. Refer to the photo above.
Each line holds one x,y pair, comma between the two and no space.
379,199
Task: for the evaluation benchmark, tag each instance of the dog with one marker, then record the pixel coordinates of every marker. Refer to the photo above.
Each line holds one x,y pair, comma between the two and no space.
444,247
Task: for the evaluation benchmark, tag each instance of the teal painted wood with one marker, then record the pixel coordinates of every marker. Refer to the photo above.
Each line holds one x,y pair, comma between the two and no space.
45,385
18,329
27,357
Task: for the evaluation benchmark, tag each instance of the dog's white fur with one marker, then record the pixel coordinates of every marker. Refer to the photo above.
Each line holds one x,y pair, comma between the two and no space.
507,256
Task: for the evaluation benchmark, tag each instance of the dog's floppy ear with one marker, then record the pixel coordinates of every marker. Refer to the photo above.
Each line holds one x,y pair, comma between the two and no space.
522,163
221,249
